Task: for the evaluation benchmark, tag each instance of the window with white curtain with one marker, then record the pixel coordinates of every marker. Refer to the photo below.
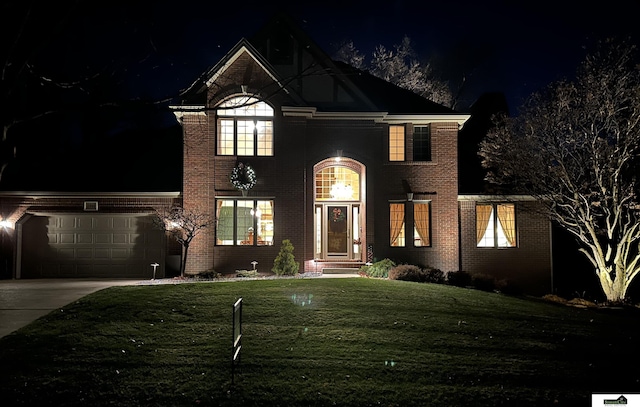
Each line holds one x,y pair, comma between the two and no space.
496,225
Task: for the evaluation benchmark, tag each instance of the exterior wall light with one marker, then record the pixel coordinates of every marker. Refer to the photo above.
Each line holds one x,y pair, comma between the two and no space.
5,224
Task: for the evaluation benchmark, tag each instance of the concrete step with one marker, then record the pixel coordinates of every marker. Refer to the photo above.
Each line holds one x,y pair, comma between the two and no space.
339,270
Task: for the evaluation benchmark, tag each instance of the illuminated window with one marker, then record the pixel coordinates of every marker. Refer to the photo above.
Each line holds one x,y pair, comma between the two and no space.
396,143
421,143
337,184
245,127
396,225
495,225
421,224
244,222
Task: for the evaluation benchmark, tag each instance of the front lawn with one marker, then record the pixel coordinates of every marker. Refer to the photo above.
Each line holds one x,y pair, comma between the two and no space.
318,342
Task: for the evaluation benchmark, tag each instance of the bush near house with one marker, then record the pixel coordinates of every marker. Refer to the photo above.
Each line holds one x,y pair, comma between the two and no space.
285,263
483,282
379,269
459,278
210,274
247,273
435,276
408,272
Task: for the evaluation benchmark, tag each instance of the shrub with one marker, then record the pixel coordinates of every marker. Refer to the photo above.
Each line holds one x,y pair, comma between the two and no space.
459,278
208,275
407,272
483,282
285,263
246,273
509,288
379,269
435,276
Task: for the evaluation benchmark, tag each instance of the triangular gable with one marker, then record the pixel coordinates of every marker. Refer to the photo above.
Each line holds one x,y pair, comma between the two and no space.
243,47
319,65
310,78
196,94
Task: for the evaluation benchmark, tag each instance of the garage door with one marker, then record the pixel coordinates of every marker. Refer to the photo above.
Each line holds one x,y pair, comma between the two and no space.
99,245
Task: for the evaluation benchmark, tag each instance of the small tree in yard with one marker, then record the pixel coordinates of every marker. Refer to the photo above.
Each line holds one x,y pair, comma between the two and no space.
183,225
576,148
285,263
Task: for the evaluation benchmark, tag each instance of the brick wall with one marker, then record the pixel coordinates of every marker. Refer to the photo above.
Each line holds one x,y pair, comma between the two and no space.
435,181
198,185
528,265
287,177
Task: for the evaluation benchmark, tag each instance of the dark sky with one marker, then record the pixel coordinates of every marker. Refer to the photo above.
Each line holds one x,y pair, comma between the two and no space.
150,50
509,46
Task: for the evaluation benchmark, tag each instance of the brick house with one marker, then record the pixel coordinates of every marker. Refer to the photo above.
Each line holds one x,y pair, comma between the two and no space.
349,168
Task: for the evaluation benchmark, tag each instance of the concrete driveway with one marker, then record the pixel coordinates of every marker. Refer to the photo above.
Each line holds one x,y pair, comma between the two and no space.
24,301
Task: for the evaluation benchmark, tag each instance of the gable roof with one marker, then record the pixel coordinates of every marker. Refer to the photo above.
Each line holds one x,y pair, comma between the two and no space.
368,93
196,94
389,97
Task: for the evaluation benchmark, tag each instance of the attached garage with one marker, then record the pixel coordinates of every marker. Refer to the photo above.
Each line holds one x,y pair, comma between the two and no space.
81,245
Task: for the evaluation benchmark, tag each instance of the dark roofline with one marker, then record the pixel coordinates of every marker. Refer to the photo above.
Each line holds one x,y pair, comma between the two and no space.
379,90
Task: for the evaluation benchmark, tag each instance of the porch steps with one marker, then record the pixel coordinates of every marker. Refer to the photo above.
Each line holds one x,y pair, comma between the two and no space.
340,270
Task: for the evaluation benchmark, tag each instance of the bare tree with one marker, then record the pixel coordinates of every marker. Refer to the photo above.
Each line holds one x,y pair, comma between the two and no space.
575,146
183,225
400,66
349,54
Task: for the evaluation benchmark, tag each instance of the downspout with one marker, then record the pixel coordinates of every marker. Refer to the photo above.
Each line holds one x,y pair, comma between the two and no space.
551,254
459,237
304,202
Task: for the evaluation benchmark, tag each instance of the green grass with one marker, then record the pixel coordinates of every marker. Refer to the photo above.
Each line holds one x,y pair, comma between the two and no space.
317,342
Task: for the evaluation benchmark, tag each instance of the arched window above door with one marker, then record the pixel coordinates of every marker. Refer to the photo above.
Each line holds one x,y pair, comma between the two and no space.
337,183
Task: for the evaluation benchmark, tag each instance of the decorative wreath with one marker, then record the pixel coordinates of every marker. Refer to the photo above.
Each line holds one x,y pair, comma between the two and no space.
243,177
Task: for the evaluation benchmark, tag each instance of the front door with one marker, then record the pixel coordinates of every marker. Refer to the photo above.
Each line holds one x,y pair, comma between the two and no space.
338,231
338,210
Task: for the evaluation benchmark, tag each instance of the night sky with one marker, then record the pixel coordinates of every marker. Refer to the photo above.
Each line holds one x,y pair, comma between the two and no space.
150,50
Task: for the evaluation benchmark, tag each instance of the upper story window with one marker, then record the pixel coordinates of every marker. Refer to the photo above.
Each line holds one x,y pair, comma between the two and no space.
496,225
396,143
245,127
418,147
421,143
